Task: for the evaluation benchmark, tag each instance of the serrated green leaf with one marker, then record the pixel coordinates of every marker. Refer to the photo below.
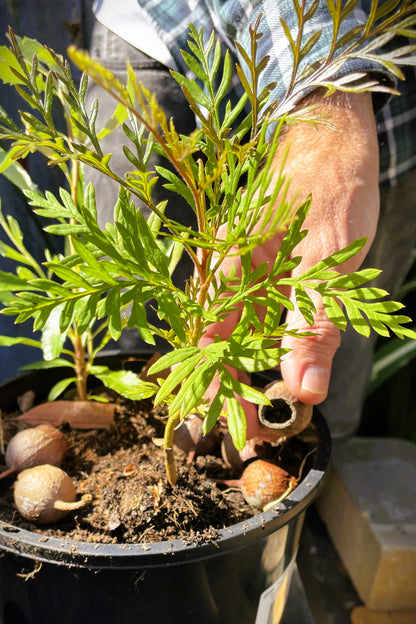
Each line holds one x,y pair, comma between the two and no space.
236,422
225,79
112,310
177,185
192,90
251,394
69,275
406,332
385,307
193,389
305,304
334,312
153,252
353,280
356,318
288,35
172,358
194,65
138,319
13,283
94,266
335,259
85,312
177,376
168,309
310,43
260,362
274,311
66,229
213,414
49,286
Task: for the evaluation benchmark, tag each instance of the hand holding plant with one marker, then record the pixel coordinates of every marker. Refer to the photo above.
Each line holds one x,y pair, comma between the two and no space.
229,178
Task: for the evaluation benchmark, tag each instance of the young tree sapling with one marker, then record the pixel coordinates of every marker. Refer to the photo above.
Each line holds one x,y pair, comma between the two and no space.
106,277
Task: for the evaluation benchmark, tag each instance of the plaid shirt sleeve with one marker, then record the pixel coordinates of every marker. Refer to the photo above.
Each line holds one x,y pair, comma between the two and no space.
231,20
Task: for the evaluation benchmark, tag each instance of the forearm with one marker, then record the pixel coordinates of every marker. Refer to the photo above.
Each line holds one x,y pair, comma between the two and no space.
337,161
340,169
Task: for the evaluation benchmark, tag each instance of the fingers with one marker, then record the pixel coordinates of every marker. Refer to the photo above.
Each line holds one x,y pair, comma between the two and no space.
307,367
341,170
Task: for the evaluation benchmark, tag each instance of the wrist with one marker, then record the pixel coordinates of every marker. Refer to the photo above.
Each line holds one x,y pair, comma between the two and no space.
334,157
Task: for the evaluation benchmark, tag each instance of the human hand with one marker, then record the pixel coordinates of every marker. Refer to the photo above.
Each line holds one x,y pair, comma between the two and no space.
340,168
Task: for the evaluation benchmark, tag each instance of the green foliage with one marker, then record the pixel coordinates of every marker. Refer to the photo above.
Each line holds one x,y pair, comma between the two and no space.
364,42
103,282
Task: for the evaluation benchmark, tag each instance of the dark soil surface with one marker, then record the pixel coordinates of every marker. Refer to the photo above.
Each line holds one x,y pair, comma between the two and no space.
122,468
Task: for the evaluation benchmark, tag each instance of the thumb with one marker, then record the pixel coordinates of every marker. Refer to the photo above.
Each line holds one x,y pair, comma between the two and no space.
307,367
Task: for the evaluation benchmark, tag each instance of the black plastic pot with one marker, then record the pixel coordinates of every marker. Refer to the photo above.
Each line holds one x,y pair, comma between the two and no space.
241,579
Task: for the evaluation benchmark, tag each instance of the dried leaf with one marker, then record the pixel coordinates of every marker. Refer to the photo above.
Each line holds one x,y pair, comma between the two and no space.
78,414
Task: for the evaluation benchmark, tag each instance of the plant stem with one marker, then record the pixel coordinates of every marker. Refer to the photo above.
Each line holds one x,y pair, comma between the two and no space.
168,447
80,368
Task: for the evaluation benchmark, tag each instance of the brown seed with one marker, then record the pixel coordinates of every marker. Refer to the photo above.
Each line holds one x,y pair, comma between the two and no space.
30,447
262,482
189,438
229,453
234,458
45,494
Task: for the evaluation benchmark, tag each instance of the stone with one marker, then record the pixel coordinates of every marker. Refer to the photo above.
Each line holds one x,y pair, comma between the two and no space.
364,615
369,509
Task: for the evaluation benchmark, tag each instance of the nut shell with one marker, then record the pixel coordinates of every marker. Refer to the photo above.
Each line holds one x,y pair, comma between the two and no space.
234,458
38,488
189,438
263,482
287,416
30,447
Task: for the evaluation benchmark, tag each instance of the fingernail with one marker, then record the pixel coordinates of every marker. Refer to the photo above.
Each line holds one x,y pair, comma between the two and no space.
315,380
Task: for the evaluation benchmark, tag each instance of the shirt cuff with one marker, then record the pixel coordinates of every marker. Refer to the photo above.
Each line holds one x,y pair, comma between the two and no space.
275,45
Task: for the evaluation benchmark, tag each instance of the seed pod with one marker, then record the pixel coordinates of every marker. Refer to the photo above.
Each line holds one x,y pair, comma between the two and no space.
262,482
45,494
43,444
229,453
286,416
189,438
234,458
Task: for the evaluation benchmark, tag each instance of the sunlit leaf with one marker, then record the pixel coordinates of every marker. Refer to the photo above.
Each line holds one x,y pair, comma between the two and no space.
53,338
127,383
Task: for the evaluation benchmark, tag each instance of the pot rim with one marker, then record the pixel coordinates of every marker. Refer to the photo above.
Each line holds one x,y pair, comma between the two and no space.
62,551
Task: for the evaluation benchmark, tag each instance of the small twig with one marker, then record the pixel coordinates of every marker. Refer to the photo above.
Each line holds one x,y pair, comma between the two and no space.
31,575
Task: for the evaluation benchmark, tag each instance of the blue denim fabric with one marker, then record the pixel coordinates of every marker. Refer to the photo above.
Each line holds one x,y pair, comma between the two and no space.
57,24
